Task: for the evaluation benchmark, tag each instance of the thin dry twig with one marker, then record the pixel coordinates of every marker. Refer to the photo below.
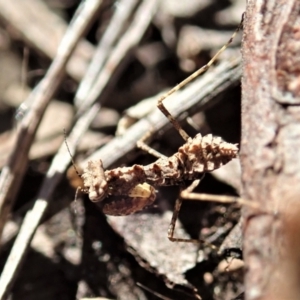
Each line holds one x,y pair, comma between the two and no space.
129,40
34,216
12,174
104,48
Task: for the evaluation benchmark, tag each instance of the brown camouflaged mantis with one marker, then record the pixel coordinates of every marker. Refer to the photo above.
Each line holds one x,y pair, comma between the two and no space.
126,190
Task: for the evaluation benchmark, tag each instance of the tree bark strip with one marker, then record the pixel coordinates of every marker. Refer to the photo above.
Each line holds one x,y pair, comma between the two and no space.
270,148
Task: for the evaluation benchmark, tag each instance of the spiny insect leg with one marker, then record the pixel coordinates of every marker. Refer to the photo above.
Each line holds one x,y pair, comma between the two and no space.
187,195
203,69
142,145
176,211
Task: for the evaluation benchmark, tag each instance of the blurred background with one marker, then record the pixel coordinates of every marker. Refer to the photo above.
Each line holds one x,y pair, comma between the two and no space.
78,252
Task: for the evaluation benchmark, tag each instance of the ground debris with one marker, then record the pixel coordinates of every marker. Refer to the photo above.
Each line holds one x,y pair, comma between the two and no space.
147,235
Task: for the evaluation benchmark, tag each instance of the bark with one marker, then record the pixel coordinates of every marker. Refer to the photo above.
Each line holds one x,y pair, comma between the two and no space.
270,148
